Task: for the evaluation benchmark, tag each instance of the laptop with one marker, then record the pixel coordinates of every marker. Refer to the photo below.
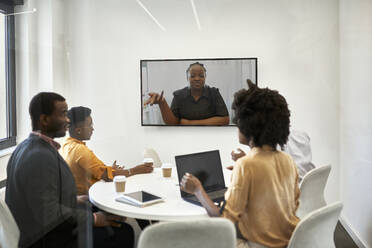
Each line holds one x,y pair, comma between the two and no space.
207,167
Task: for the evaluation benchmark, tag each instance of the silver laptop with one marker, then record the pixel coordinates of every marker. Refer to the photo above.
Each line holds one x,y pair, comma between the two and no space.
207,167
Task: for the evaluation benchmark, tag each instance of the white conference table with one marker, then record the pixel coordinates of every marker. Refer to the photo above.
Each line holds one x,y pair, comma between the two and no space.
102,194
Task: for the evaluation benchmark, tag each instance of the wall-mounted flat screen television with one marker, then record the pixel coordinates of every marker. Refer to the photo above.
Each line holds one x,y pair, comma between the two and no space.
192,92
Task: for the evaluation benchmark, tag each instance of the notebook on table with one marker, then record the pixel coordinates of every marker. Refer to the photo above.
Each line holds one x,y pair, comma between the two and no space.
207,167
139,198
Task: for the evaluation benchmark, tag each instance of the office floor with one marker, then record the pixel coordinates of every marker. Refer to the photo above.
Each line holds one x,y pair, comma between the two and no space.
342,238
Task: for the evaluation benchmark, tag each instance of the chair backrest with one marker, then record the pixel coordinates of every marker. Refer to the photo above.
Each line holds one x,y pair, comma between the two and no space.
2,193
312,190
206,233
151,153
316,230
9,232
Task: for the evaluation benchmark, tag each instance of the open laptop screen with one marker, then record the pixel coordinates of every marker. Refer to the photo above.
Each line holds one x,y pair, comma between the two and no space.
206,166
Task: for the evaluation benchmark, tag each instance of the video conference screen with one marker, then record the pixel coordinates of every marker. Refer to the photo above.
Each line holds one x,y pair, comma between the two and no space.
192,92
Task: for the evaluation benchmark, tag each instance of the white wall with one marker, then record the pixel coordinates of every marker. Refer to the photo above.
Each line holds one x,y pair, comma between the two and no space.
40,60
3,163
40,55
356,118
3,133
296,43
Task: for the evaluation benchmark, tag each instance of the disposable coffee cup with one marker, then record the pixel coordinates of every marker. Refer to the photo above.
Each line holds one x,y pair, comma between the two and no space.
119,182
167,169
148,161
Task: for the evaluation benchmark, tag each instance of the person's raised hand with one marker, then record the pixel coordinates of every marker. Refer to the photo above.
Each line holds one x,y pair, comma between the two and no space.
190,184
116,166
105,219
236,154
155,98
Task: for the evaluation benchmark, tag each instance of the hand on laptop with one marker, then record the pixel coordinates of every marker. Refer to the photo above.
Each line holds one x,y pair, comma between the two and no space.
237,153
190,184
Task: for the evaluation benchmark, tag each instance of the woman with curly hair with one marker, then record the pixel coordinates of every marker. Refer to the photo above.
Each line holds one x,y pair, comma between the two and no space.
262,198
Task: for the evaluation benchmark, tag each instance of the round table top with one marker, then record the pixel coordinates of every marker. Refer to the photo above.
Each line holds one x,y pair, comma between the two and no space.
102,194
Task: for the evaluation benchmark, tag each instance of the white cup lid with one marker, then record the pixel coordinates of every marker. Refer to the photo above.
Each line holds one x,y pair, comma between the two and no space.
120,178
167,165
148,160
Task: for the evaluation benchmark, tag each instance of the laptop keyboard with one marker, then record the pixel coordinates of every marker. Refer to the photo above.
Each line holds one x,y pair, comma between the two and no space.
216,196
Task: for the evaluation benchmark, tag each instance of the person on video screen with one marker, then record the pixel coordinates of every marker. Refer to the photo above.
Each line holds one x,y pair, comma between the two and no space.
196,104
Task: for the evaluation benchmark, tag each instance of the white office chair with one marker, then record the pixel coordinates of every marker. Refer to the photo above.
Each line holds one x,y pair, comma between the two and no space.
206,233
2,193
3,233
316,230
151,153
9,232
312,190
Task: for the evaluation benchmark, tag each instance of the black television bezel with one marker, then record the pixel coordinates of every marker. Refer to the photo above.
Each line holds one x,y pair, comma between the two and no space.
193,59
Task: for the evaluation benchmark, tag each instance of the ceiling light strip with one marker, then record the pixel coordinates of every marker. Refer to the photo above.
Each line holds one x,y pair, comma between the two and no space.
23,12
195,14
152,17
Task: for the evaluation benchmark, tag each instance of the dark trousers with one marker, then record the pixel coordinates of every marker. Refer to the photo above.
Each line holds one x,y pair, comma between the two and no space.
109,236
112,237
78,234
143,223
64,235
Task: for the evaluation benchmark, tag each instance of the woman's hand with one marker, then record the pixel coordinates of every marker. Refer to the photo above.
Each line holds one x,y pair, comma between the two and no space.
81,199
155,98
190,184
236,154
141,169
117,167
102,219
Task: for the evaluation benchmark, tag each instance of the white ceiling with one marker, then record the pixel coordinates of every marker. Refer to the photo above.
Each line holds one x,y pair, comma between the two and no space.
176,14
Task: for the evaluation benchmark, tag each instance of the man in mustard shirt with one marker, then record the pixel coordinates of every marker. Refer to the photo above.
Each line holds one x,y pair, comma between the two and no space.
84,164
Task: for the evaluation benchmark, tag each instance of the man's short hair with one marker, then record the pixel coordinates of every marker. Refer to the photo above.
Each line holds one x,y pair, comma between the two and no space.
78,115
43,103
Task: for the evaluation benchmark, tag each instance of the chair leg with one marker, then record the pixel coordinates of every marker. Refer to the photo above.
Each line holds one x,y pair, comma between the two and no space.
136,228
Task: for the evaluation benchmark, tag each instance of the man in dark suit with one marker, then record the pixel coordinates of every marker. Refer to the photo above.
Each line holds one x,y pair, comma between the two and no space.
41,192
